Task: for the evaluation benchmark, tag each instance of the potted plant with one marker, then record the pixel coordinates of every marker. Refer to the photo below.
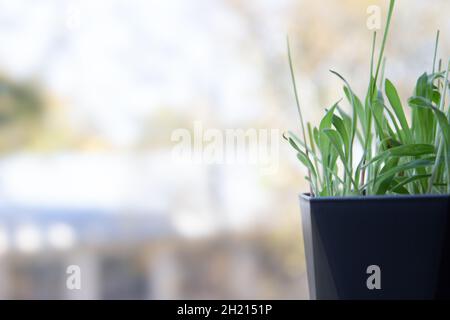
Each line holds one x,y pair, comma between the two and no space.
377,226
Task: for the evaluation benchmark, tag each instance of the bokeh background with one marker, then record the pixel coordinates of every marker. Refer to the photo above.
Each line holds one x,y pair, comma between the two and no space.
90,93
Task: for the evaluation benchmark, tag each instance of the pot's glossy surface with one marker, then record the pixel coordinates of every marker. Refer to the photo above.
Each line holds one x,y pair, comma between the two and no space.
377,247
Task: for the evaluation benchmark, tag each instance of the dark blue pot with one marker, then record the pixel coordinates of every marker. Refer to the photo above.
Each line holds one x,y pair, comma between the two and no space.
406,237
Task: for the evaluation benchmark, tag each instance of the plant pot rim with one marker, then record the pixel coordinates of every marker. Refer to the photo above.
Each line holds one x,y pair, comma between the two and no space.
307,197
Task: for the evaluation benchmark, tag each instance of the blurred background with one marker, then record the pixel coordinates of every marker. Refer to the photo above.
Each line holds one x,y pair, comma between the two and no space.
90,94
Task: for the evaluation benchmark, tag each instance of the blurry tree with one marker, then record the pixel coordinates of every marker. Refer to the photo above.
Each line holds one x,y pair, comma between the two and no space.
21,110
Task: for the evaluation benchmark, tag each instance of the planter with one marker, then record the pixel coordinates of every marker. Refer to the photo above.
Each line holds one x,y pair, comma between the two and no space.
348,238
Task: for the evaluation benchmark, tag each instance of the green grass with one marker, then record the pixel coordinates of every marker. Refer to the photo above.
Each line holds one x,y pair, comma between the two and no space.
398,156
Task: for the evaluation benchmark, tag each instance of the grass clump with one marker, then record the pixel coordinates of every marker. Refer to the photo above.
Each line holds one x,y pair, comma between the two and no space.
398,156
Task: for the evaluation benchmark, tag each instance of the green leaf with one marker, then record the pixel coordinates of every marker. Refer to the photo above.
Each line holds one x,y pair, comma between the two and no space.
420,163
396,104
383,184
357,105
420,102
340,127
337,143
307,162
412,150
409,150
293,144
327,120
409,180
